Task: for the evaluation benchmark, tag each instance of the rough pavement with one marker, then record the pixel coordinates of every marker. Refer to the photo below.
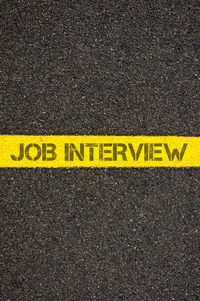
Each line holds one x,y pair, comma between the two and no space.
106,68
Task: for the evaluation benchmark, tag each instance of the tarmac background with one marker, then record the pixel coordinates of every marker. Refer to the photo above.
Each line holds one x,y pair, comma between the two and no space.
100,68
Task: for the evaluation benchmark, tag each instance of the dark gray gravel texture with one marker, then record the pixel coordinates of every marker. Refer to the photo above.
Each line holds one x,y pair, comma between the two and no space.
106,68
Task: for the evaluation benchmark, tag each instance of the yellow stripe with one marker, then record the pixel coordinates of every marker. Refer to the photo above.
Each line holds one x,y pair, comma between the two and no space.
99,151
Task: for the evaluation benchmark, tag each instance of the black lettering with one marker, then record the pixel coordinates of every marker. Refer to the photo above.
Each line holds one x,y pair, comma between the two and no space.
157,151
91,150
66,151
135,157
27,149
121,152
103,151
175,153
79,154
46,151
21,153
146,152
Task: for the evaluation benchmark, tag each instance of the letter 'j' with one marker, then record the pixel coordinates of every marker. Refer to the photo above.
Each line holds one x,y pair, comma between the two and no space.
21,153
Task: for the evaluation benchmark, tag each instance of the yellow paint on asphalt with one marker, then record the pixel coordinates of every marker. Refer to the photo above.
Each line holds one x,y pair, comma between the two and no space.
99,151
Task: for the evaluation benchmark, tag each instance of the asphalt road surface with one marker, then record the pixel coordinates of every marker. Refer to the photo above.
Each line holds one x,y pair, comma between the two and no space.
100,68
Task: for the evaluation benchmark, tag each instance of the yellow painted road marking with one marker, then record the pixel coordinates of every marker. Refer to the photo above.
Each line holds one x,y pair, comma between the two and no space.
99,151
